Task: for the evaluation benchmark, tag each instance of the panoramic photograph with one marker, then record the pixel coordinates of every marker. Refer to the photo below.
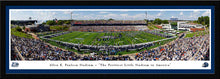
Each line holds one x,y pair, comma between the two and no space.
110,35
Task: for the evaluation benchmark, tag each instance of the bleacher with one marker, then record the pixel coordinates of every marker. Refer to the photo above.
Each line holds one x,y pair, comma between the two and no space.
108,23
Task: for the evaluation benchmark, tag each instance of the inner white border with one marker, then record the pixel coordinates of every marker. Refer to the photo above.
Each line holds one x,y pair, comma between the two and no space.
39,64
109,9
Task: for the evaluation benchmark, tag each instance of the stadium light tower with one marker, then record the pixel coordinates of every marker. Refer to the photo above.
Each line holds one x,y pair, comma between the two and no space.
146,14
71,14
146,17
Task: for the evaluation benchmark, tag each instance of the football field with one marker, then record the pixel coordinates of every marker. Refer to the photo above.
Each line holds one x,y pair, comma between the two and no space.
108,38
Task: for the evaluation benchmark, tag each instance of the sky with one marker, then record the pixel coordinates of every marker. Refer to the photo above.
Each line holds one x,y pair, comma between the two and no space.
117,15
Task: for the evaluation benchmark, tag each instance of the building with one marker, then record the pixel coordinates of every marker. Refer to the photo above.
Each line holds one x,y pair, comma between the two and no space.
196,29
23,22
36,28
166,27
158,26
186,26
173,19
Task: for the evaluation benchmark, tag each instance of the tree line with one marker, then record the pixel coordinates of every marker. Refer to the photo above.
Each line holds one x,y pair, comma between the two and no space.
157,21
204,20
59,22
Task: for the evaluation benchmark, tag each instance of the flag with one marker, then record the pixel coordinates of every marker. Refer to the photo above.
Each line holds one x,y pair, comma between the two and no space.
56,20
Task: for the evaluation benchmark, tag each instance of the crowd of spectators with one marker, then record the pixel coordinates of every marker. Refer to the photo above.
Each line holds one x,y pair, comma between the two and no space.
109,22
182,49
33,49
155,32
14,55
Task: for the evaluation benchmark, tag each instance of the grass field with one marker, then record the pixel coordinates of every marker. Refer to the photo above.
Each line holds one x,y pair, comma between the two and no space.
121,52
47,33
150,27
60,46
180,31
91,38
195,34
20,33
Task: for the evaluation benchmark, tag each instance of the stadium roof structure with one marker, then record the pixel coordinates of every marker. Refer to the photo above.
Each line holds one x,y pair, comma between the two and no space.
107,23
23,21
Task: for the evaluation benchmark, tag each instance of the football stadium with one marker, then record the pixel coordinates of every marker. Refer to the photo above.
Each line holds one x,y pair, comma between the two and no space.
110,40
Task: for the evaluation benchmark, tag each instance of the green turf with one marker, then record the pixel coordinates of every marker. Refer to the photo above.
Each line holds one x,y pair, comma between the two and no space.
122,52
127,38
20,33
45,33
196,34
66,48
90,38
58,27
180,31
150,27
